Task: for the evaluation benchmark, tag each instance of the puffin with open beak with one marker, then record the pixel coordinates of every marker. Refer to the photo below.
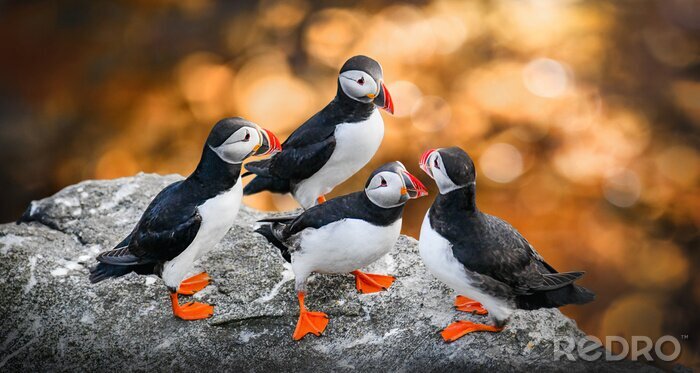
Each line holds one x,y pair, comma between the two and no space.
343,235
482,256
332,145
189,217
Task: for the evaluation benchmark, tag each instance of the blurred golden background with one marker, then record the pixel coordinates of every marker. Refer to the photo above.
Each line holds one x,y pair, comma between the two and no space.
582,116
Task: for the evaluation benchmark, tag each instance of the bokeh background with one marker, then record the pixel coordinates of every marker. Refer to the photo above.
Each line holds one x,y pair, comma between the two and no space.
583,116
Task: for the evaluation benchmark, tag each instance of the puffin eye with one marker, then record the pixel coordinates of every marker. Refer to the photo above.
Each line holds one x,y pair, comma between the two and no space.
247,136
361,81
383,183
436,164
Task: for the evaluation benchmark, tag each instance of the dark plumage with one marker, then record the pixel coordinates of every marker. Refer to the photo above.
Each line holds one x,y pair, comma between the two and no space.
171,220
306,150
343,235
350,206
311,145
496,253
187,218
166,229
482,256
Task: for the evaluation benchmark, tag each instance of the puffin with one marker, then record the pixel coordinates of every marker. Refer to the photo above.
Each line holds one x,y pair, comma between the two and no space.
333,144
189,217
481,256
344,234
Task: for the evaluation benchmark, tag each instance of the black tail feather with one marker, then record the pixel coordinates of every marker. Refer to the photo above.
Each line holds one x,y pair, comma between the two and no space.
266,230
103,271
554,281
263,179
269,183
261,167
120,256
569,294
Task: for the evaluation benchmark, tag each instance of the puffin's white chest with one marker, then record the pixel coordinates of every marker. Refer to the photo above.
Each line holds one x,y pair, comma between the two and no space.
355,145
437,256
218,215
436,252
343,246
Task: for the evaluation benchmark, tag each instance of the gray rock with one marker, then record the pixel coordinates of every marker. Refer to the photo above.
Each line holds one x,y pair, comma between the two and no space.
53,319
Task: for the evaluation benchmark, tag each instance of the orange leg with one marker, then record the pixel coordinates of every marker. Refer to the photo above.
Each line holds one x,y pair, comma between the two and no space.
461,328
309,322
194,284
191,310
321,199
465,304
371,283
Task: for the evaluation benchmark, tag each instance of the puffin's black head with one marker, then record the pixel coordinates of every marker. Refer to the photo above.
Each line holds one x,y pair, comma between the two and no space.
235,139
361,78
391,185
451,168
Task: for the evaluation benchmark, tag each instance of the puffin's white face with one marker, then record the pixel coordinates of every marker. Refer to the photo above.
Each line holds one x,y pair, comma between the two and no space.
387,189
358,85
240,145
433,165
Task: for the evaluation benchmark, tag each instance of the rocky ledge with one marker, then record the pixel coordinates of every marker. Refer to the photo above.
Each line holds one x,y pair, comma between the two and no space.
52,318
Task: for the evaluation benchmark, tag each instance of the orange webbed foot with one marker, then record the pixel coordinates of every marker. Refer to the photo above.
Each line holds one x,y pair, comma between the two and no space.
461,328
191,310
465,304
194,284
309,322
371,283
321,199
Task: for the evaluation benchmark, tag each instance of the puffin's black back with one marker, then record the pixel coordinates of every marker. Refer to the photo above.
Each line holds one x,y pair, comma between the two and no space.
350,206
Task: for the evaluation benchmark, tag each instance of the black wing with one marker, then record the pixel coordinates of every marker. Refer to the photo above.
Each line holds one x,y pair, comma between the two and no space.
306,150
498,250
167,227
350,206
311,132
328,212
302,162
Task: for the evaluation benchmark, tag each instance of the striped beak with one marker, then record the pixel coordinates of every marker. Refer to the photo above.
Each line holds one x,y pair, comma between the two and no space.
413,187
424,162
269,144
383,99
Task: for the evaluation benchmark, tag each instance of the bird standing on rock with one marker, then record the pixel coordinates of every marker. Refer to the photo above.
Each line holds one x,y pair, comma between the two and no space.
333,144
482,256
344,234
189,217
